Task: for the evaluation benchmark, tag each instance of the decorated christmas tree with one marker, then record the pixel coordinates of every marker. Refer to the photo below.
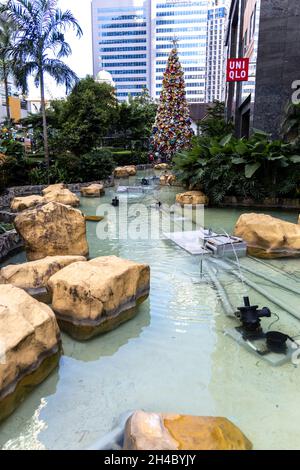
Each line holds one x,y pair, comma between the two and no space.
172,130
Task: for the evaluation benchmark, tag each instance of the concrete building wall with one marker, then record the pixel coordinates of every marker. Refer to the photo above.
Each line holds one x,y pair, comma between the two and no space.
278,61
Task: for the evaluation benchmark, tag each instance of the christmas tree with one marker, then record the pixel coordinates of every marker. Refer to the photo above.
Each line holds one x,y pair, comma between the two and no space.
172,130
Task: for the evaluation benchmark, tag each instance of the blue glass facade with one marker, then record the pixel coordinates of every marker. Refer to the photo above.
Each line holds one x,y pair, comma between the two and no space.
132,39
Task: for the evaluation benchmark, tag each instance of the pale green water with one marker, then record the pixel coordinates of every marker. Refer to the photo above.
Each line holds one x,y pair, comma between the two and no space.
171,357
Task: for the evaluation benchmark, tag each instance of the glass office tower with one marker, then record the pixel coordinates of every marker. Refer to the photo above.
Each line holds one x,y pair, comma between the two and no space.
132,40
121,42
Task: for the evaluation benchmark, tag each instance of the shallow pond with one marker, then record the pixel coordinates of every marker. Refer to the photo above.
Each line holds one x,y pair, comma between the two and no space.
173,356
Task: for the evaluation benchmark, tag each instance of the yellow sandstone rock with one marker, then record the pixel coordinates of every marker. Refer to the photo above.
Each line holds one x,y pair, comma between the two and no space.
53,187
125,171
192,198
35,274
267,236
94,190
30,346
156,431
63,196
161,166
19,204
52,229
93,297
167,180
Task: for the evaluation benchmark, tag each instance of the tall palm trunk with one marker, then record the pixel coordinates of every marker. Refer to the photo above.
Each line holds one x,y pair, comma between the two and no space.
45,132
5,79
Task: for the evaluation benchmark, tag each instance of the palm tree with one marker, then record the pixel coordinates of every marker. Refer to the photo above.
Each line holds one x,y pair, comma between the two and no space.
6,63
40,45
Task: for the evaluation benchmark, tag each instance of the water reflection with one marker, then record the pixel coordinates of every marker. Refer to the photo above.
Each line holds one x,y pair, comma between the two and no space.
109,343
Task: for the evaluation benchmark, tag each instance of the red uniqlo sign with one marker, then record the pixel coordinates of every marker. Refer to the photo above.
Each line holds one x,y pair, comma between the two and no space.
237,70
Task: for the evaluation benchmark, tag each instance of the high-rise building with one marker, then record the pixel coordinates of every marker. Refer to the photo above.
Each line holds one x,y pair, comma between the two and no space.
215,58
132,40
187,22
121,43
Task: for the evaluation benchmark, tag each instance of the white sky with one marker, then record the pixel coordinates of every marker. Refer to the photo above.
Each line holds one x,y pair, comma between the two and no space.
81,59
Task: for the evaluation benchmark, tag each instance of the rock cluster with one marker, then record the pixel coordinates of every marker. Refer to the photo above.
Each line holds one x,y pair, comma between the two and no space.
34,276
53,193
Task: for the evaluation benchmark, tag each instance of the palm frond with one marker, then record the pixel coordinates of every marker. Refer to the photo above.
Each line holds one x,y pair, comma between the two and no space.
62,73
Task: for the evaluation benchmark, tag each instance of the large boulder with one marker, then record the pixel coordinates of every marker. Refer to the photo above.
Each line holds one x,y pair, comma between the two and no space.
125,171
161,166
157,431
94,297
30,346
33,276
52,229
53,188
19,204
267,236
63,196
167,180
192,198
94,190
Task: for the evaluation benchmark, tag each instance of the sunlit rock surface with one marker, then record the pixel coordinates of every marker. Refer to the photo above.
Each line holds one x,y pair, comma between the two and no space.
192,198
19,204
158,431
94,190
63,196
29,346
267,236
125,171
93,297
52,229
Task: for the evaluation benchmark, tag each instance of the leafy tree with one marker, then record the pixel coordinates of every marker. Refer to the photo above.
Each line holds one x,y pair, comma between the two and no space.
214,125
136,118
89,112
40,45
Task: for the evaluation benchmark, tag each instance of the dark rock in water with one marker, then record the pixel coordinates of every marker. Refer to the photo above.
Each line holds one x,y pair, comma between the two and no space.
9,242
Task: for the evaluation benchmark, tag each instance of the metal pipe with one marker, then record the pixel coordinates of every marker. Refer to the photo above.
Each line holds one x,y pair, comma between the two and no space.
274,281
224,298
274,268
263,292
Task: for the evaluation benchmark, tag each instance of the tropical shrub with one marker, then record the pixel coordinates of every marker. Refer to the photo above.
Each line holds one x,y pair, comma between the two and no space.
130,157
4,227
256,168
96,165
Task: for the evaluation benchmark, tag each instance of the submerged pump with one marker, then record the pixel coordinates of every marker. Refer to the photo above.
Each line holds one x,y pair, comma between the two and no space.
250,333
145,182
250,316
115,202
